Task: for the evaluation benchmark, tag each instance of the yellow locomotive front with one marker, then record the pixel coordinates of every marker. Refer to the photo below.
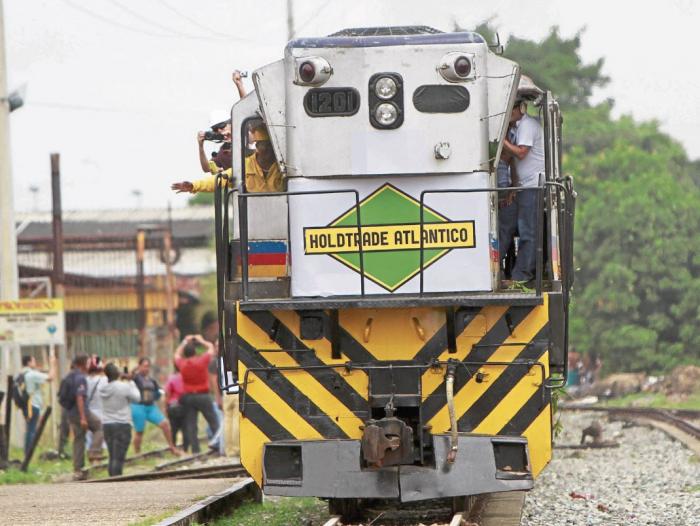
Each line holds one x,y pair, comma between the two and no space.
364,318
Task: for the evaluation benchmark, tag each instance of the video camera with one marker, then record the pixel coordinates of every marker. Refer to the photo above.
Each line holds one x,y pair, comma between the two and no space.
213,136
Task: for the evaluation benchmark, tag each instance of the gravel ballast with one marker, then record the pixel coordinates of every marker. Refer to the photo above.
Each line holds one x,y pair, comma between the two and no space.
649,480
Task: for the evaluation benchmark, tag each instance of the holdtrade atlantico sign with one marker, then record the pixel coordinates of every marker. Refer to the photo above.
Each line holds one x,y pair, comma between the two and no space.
390,237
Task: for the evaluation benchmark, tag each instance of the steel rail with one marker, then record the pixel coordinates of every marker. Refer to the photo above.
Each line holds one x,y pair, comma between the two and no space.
676,418
217,471
222,503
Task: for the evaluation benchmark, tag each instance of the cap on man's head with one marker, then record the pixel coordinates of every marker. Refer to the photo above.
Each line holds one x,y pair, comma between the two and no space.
260,133
219,119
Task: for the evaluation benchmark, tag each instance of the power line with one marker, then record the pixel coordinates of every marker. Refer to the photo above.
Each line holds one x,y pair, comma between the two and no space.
172,33
157,25
312,17
80,107
111,22
192,20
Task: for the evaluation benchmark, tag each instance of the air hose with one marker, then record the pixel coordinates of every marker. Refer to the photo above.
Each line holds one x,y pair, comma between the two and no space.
449,391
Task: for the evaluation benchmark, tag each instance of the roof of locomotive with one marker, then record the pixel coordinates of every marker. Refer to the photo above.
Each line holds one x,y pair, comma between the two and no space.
387,36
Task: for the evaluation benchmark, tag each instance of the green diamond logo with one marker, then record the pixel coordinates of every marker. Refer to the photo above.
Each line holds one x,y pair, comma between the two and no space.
390,237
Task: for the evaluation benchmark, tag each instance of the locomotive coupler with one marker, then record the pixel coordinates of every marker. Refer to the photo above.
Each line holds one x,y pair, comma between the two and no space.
387,442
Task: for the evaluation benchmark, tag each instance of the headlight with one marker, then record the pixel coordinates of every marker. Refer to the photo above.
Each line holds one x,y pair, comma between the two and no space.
457,67
307,71
463,67
385,88
312,71
386,114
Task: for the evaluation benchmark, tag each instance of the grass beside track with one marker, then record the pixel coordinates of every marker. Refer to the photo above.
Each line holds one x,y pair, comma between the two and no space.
39,470
656,400
278,512
43,471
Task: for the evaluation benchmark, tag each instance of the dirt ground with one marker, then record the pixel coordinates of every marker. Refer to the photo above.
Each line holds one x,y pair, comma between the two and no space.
118,503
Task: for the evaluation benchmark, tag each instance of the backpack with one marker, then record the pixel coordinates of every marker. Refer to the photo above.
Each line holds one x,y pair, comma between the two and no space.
66,392
20,394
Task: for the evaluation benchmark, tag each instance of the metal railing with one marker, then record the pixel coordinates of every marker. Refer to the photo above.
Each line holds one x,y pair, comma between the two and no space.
564,207
366,367
538,225
243,229
222,225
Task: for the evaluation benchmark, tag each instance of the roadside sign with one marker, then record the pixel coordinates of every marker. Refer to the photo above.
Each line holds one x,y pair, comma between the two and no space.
32,322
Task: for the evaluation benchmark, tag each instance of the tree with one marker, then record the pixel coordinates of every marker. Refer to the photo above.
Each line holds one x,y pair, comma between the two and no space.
553,63
636,301
202,198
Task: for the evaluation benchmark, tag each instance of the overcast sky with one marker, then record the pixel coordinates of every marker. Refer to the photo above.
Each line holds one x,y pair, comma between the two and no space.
120,87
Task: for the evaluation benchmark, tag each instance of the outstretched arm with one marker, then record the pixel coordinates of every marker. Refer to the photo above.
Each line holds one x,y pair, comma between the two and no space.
238,81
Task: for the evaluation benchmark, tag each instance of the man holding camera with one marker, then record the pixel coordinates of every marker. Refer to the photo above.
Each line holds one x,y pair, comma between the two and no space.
262,173
220,131
194,369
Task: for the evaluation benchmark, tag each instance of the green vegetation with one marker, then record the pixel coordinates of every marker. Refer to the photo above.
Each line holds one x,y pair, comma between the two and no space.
637,291
150,521
658,400
278,512
202,198
44,471
39,470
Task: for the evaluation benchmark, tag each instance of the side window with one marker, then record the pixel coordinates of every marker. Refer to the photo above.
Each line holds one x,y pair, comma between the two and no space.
247,142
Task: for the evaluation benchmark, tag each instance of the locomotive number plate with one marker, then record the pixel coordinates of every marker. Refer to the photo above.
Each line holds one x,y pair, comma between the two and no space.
331,102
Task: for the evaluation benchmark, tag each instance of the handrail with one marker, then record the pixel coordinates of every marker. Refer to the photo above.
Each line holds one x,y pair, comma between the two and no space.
352,366
538,226
243,226
243,229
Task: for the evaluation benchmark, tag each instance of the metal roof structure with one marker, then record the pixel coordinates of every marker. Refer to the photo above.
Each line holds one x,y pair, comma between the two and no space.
188,223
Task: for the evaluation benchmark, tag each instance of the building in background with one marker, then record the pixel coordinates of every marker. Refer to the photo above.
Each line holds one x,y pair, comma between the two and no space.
119,292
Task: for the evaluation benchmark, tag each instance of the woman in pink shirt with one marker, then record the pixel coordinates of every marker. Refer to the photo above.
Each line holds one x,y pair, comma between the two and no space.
174,389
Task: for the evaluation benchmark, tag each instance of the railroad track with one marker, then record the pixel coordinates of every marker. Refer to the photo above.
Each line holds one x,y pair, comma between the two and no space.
217,505
137,458
491,509
676,418
217,471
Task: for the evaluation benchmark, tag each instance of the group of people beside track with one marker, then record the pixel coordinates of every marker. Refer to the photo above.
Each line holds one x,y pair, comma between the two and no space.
102,403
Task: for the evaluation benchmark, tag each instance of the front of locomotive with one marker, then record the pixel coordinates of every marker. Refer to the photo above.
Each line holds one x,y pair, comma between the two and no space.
395,368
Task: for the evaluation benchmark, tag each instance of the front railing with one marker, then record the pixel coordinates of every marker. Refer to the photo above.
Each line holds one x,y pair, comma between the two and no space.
560,204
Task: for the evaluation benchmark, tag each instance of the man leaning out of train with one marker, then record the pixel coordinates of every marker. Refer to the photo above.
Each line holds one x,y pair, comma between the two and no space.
527,148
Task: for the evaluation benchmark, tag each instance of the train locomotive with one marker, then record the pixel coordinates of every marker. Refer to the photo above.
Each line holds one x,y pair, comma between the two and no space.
364,327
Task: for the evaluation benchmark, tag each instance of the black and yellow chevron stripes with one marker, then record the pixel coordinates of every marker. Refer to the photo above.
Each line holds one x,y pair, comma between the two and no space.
499,387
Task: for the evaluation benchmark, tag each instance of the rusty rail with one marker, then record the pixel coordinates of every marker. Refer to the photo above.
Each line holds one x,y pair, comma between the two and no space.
679,418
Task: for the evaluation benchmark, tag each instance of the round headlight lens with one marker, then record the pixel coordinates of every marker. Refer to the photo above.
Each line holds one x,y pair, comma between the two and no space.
307,71
386,114
463,67
385,88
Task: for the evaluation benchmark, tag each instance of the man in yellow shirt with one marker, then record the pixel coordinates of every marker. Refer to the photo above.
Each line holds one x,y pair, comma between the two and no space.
262,173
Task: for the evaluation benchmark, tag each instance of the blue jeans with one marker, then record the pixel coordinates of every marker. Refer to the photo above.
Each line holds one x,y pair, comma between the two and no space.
524,269
507,225
32,422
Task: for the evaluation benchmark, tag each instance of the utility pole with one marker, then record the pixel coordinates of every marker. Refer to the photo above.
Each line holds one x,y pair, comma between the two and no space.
58,278
9,282
290,20
9,288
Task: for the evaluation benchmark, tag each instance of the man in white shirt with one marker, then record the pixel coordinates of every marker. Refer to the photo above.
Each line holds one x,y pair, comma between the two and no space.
33,380
528,152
